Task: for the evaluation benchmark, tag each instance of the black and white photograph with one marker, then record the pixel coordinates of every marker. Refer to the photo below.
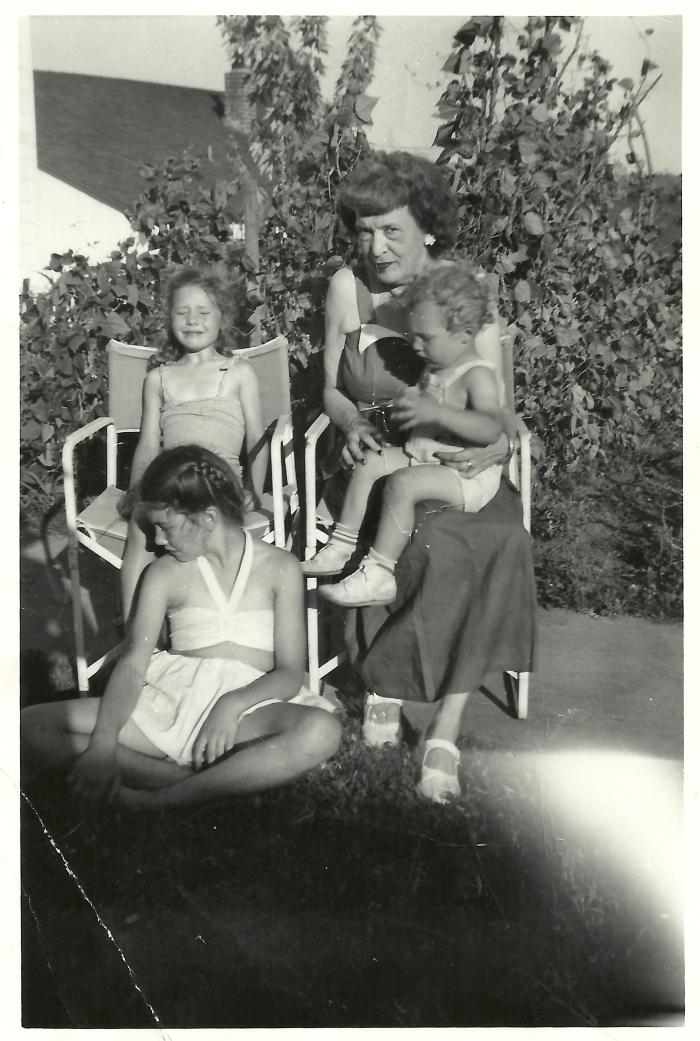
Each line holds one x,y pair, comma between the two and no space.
349,410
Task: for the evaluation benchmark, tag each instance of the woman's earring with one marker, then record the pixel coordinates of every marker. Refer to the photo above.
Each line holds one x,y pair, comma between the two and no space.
428,240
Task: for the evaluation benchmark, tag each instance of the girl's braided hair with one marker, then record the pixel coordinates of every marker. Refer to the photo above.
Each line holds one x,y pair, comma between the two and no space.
460,292
190,479
169,349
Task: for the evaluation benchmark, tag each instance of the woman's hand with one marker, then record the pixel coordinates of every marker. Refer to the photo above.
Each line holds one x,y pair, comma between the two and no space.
217,734
95,775
471,461
414,409
359,435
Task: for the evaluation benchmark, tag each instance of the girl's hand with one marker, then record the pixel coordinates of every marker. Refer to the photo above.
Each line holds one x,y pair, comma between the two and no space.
95,775
471,461
359,435
217,735
415,409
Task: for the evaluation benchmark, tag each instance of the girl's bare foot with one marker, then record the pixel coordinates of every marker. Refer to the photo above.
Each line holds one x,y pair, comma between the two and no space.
138,798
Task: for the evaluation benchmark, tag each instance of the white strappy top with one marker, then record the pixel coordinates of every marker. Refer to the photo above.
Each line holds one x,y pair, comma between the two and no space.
192,628
435,384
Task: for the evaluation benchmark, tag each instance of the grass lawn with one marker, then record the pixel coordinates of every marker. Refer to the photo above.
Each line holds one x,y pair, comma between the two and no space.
548,895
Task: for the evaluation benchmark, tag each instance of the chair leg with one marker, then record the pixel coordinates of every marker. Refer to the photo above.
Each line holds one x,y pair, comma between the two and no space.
312,635
78,626
517,685
523,692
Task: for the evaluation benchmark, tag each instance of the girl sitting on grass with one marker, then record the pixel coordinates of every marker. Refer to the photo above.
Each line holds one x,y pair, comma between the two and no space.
224,713
198,392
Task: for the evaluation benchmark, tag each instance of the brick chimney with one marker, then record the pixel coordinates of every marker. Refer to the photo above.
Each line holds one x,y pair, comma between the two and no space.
237,109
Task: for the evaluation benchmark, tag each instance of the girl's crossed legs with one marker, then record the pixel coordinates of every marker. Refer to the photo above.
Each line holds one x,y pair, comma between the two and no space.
274,745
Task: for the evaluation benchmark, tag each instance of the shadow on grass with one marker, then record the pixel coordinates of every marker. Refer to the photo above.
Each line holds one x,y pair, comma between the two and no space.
342,900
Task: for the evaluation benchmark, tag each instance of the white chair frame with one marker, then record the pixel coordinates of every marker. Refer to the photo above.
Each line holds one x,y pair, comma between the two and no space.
282,505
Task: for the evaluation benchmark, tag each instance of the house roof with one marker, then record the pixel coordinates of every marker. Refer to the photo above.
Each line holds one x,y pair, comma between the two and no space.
94,133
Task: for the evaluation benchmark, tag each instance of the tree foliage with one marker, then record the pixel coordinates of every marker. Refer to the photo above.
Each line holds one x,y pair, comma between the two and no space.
589,278
586,251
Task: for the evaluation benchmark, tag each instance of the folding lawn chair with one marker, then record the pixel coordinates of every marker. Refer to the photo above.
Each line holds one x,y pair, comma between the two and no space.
99,527
318,520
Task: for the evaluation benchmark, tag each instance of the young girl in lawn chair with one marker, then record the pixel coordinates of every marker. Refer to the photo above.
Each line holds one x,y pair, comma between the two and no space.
224,712
458,398
196,392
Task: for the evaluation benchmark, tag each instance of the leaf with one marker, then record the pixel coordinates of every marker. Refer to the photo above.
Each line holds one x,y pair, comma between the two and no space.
521,292
528,151
363,107
626,83
115,325
533,224
467,34
30,430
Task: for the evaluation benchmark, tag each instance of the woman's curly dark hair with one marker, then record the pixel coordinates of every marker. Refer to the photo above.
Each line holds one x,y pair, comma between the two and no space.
386,181
170,349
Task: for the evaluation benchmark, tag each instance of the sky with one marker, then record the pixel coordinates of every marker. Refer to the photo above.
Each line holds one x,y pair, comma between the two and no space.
189,50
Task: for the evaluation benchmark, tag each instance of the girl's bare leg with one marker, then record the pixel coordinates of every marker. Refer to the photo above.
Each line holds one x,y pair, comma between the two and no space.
136,557
288,741
55,734
404,490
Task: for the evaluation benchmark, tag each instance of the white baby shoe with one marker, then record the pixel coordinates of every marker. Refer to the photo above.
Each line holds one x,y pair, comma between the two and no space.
370,584
330,559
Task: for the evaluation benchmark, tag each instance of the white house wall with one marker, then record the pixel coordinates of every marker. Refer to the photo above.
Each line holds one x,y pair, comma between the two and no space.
64,219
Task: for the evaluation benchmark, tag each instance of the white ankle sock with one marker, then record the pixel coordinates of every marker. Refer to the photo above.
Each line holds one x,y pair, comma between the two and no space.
341,533
385,562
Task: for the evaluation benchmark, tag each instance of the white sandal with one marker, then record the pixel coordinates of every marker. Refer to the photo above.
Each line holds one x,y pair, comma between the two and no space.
435,784
378,726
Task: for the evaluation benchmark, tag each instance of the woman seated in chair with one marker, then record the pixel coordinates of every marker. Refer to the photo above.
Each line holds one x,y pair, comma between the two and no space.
438,641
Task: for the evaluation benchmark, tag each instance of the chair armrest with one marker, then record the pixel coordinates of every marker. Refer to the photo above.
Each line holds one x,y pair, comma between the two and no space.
281,435
311,437
320,424
67,460
523,433
525,476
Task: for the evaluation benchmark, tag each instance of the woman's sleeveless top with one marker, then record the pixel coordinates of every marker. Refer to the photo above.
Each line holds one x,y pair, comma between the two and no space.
192,628
377,362
215,423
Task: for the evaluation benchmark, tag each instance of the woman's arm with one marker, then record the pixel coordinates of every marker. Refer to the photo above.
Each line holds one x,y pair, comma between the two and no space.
341,411
218,732
257,447
148,445
95,773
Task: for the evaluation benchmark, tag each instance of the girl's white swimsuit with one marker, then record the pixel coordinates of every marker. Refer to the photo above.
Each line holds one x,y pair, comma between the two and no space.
180,691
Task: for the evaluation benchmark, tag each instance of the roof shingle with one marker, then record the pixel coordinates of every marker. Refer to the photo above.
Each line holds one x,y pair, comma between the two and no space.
94,133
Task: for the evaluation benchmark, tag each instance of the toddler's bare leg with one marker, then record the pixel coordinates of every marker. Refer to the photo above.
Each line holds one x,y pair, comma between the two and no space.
403,492
362,481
